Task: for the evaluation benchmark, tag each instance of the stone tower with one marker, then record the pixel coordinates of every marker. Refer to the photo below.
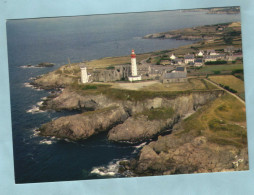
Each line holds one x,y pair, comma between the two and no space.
84,75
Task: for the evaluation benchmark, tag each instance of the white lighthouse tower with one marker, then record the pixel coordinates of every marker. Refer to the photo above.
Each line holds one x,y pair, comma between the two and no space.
133,64
84,75
134,74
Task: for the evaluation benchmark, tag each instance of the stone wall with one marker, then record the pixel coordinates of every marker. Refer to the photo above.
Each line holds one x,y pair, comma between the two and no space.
118,73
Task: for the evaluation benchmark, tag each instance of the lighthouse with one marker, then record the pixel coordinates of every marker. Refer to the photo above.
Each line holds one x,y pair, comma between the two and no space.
133,64
134,74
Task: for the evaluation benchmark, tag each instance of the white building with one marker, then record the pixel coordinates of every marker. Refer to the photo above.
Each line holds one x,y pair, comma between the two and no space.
201,53
189,58
134,74
172,57
210,58
84,75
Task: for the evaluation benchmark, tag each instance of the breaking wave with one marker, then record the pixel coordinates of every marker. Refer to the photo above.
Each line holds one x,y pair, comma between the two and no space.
30,66
34,110
110,170
45,141
139,147
35,133
31,86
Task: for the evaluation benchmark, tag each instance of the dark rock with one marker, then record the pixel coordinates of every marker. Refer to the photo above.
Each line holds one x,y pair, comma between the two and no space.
139,129
45,64
82,126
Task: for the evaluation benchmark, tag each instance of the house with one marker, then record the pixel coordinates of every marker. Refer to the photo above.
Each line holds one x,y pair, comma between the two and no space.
211,52
172,57
210,58
189,58
198,62
178,75
157,70
229,49
200,53
178,61
220,28
233,57
221,56
143,69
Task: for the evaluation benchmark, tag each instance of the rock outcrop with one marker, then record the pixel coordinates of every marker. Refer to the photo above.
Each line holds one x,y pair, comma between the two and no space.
135,130
82,126
53,80
45,64
171,155
174,36
138,129
71,100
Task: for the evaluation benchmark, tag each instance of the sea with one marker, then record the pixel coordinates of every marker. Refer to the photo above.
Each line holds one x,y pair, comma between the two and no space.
79,38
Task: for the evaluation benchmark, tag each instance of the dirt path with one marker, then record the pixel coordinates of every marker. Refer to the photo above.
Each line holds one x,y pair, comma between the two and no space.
215,84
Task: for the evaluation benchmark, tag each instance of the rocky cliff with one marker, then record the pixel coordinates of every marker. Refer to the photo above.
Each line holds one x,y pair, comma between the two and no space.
213,139
142,120
140,128
70,99
146,119
172,155
82,126
61,77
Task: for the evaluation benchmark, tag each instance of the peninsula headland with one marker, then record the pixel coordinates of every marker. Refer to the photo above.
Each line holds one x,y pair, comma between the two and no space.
192,123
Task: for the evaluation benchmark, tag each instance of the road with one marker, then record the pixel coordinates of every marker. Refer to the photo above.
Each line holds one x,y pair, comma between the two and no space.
215,84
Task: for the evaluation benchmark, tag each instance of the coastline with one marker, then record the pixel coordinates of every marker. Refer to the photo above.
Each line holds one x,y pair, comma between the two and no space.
136,107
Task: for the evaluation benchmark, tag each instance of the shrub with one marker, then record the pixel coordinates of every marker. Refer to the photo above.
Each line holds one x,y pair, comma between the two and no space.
87,87
237,71
148,60
216,72
216,62
110,68
228,88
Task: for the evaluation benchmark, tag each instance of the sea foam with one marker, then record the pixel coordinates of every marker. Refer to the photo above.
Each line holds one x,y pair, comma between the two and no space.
138,148
30,66
110,170
31,86
35,133
35,109
45,141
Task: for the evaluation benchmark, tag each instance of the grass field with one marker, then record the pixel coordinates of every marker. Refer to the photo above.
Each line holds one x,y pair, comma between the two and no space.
192,84
222,121
231,81
157,113
212,68
142,90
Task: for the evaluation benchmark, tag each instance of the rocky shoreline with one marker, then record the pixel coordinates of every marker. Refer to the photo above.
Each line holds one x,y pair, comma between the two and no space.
135,126
40,65
155,117
200,33
135,122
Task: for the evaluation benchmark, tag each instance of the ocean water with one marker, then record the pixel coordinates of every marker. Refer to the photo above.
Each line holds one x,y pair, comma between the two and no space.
32,41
